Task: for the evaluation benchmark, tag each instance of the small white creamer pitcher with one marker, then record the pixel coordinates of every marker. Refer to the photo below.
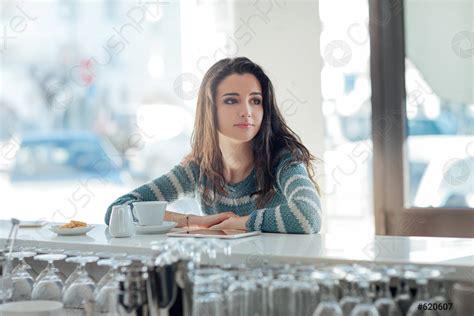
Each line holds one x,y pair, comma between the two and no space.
121,221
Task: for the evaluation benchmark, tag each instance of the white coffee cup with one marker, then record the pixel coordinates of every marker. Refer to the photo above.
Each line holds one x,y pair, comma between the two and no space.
150,213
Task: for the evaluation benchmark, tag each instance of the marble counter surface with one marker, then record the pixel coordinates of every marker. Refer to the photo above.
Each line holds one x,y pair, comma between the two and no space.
455,252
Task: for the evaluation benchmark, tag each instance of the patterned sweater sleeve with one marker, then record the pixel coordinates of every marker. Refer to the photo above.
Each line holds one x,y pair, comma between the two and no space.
300,214
177,183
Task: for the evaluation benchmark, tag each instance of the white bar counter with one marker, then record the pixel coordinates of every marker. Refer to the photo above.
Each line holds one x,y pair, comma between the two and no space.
454,252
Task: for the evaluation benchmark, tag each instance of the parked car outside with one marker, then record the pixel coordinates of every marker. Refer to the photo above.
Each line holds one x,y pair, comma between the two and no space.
63,175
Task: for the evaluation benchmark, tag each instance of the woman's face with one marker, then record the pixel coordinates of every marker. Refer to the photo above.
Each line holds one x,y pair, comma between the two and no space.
239,101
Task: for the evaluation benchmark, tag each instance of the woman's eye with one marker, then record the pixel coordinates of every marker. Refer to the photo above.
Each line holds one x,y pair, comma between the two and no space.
230,101
257,101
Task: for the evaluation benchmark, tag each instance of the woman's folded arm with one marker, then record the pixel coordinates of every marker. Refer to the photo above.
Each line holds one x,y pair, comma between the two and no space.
179,182
300,214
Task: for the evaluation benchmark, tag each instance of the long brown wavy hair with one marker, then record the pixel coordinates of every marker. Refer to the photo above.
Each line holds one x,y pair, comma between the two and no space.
272,139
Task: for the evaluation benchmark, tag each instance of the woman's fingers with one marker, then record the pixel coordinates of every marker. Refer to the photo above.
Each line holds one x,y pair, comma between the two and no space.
229,214
220,225
211,220
222,217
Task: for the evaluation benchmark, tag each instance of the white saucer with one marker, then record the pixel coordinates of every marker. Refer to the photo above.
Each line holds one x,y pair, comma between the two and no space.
37,308
38,223
160,229
70,231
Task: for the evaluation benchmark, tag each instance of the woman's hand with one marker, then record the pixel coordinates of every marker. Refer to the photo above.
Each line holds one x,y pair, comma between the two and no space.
210,220
233,223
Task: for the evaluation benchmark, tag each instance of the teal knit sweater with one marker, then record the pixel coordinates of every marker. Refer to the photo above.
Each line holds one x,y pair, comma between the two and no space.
294,208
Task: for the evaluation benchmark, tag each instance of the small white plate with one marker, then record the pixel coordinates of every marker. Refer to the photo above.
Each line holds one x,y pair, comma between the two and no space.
70,231
39,223
160,229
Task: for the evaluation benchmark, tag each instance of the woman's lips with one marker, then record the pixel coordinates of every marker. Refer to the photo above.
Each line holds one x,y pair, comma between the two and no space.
244,126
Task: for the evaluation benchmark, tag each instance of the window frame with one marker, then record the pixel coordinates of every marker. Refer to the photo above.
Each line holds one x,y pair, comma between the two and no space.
389,136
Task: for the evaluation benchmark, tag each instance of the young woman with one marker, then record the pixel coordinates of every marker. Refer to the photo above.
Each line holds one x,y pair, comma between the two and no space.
247,168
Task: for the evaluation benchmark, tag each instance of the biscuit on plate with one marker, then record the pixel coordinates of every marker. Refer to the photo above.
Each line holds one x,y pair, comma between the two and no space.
73,224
